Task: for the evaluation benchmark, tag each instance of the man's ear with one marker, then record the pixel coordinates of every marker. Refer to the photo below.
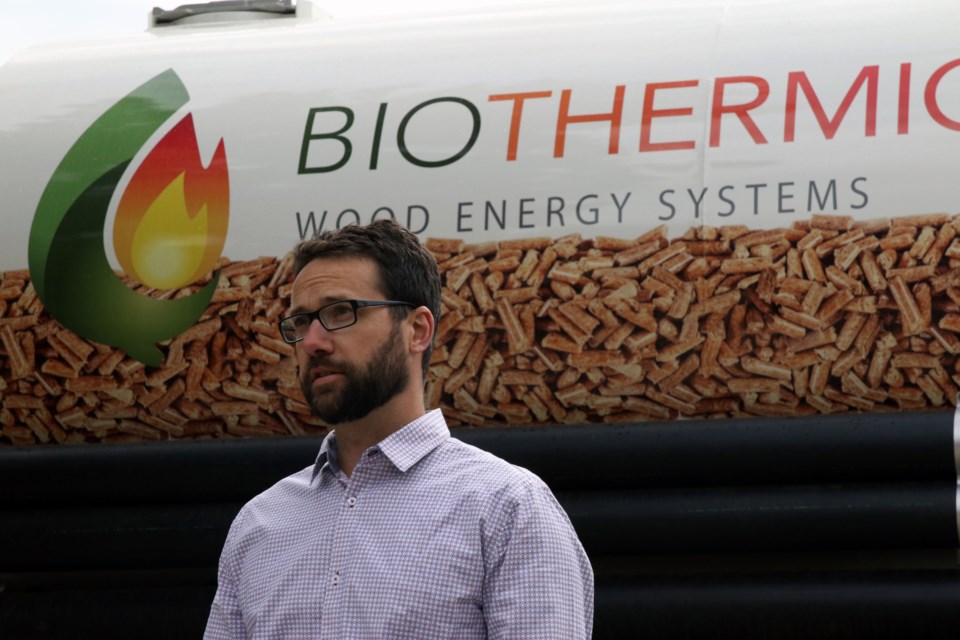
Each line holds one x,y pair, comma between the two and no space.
422,328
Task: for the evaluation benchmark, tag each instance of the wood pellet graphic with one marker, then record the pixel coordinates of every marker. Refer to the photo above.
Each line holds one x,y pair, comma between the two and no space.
830,315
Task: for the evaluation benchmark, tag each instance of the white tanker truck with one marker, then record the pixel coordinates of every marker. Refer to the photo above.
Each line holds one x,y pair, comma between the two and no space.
677,238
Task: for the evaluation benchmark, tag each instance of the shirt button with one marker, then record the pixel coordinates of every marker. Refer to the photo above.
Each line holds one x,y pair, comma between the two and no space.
336,579
351,501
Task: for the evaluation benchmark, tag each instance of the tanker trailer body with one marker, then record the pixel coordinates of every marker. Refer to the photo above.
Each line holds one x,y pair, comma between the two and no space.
644,214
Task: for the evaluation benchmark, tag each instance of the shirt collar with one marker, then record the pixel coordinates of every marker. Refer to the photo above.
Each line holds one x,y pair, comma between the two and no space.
403,448
408,445
328,454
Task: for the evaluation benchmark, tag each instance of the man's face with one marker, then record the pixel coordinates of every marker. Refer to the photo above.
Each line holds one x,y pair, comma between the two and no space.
346,374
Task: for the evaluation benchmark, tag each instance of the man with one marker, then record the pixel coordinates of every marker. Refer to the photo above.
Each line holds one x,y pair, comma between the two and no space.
398,530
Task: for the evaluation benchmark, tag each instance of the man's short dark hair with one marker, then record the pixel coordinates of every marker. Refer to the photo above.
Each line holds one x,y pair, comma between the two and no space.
407,271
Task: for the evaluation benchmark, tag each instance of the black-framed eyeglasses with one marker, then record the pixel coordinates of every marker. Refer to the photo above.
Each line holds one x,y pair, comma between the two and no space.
334,316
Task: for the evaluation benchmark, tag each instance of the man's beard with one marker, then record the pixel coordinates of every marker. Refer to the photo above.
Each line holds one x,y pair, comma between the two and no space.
365,388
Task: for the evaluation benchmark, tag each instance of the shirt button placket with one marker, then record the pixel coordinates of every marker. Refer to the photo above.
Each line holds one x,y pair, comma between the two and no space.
335,578
348,522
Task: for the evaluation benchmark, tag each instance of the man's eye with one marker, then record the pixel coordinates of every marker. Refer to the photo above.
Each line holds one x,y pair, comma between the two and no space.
340,311
300,321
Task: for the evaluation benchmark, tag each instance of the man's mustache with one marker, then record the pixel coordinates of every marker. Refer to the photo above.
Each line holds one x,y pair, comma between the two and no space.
319,361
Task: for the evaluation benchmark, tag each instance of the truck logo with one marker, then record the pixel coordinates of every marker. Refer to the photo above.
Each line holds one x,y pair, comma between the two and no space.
169,229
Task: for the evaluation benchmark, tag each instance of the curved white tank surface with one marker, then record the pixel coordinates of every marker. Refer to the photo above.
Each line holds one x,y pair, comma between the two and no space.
685,113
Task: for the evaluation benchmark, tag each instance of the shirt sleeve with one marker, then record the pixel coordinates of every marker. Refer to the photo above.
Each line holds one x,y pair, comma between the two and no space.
226,618
538,582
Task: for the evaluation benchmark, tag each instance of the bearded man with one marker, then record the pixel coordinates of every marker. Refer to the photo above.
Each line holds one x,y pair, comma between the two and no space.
398,530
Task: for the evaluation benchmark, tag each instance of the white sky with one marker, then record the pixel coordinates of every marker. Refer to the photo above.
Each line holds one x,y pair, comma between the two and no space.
28,22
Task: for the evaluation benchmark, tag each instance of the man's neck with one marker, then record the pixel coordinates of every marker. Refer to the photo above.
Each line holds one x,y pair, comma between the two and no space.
354,438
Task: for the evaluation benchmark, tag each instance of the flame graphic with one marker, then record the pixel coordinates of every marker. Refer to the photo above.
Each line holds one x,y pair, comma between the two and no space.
171,222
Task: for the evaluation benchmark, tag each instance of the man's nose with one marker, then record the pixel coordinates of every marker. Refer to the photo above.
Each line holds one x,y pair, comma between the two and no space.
318,339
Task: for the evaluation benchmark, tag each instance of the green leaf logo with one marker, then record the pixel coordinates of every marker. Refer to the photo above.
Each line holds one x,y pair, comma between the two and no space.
170,226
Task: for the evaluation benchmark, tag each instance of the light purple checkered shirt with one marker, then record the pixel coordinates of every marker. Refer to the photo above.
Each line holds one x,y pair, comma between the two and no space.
429,538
